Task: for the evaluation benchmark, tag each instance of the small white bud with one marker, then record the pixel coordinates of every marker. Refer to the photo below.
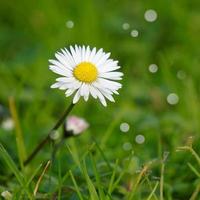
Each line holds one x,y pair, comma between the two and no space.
6,195
76,125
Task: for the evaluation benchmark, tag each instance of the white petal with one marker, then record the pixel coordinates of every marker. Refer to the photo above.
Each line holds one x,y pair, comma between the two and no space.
60,71
66,80
115,92
64,86
87,53
92,91
87,92
61,58
76,97
109,66
98,55
75,57
56,85
82,89
101,97
105,90
107,95
96,93
69,58
111,75
58,64
103,83
103,59
83,53
69,92
109,84
63,69
78,54
92,54
74,85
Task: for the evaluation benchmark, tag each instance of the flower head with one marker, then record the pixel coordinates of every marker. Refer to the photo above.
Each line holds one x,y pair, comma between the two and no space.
86,72
76,125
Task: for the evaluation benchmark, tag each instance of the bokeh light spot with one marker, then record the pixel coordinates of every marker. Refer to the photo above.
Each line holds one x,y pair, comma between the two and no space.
127,146
153,68
172,99
125,26
140,139
150,15
124,127
134,33
181,75
69,24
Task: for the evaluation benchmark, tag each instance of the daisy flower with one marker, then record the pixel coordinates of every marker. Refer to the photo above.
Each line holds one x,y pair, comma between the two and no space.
86,72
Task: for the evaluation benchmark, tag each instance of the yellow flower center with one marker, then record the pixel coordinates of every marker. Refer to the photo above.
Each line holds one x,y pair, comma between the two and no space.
85,72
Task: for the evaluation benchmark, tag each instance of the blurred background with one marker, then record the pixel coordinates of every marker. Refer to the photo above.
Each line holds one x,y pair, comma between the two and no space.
158,109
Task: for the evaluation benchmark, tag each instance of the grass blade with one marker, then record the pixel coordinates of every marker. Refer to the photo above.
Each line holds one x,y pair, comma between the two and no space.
138,180
40,178
194,170
19,136
33,175
8,160
75,185
111,184
91,187
97,176
153,191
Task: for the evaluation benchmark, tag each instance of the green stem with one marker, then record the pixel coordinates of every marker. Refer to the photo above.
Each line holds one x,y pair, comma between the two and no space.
47,138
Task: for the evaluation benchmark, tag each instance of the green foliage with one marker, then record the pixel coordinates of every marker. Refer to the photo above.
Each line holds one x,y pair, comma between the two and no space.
96,165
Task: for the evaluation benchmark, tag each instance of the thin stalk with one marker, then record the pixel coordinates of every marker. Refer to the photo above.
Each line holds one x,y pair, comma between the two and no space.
40,178
162,180
195,193
192,151
18,133
143,171
153,191
48,137
165,155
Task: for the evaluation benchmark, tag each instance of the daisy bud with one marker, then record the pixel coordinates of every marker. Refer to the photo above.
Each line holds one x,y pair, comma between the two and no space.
75,125
6,195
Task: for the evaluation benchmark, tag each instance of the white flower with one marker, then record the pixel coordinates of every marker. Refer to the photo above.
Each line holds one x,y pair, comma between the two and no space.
76,124
86,72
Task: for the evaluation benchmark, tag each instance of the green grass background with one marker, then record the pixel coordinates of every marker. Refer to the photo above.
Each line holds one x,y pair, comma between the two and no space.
32,31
